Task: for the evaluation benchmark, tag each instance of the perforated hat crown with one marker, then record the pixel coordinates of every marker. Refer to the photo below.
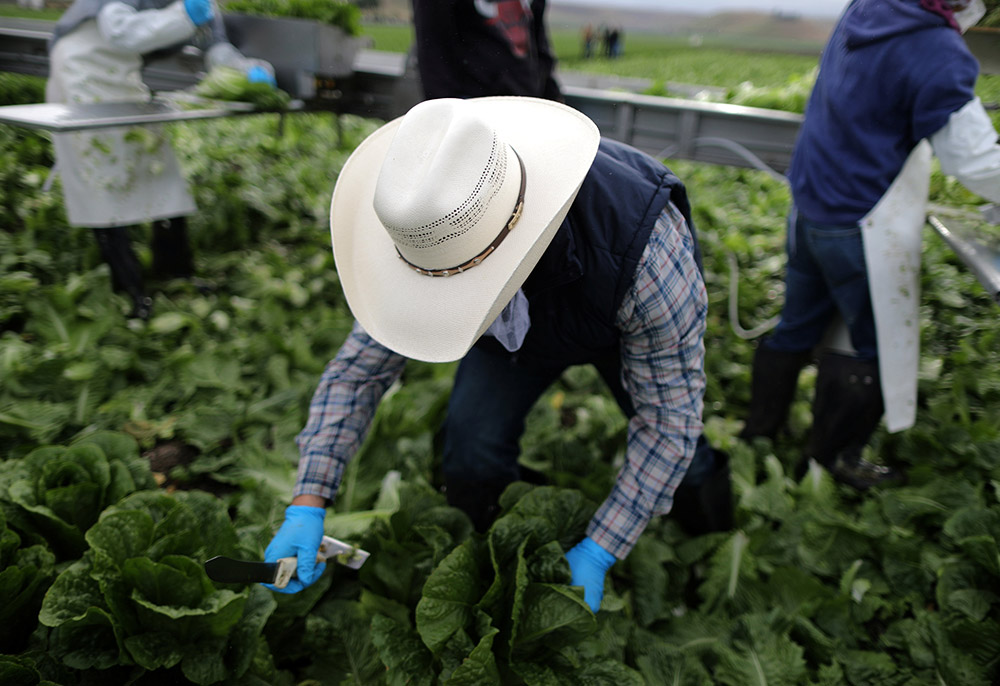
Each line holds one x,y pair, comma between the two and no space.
449,187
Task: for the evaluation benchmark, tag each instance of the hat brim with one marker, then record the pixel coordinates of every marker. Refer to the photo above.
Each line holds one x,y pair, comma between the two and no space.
437,319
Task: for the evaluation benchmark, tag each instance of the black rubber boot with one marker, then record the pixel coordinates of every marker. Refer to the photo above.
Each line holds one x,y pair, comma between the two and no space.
172,257
846,411
480,500
142,308
703,503
775,378
126,272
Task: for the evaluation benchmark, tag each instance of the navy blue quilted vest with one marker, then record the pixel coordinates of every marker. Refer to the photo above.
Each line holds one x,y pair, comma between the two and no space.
575,290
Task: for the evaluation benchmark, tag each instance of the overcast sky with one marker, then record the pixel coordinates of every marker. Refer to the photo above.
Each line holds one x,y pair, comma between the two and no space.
825,8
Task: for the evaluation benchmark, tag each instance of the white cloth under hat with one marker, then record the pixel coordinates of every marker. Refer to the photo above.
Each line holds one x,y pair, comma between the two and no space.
440,215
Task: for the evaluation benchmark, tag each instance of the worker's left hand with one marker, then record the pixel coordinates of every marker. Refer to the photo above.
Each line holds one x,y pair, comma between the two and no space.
589,562
259,74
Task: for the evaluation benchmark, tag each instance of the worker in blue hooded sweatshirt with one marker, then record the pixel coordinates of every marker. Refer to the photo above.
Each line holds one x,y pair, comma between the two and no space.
115,178
895,85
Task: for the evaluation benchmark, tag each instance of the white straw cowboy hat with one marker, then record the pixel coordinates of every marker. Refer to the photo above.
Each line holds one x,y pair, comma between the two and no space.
435,225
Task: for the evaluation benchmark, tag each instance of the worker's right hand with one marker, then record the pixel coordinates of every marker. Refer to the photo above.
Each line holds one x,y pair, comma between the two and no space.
300,536
200,11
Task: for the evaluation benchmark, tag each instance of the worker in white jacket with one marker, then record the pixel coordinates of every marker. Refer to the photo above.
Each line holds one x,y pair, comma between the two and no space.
115,178
896,83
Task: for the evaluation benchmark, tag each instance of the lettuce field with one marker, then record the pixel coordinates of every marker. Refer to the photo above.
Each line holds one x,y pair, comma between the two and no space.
132,452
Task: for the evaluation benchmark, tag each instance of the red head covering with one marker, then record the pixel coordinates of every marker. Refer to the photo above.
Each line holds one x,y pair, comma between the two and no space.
943,8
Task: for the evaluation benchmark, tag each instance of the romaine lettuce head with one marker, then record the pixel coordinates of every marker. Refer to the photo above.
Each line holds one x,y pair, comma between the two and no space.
25,574
507,594
140,595
55,493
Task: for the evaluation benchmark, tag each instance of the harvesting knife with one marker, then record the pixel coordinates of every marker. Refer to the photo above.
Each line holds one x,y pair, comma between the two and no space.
278,574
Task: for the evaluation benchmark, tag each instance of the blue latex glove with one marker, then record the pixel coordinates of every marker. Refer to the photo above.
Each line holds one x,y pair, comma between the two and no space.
200,11
299,536
589,562
258,74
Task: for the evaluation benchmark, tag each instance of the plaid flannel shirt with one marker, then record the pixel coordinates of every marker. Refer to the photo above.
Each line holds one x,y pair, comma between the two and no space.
662,324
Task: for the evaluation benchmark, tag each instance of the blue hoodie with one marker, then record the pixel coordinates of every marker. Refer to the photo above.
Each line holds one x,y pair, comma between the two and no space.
891,75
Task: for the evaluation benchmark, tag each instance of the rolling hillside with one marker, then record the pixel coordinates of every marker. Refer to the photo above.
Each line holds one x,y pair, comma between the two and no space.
743,25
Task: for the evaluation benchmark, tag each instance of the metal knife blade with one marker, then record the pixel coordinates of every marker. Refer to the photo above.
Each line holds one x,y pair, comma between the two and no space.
228,570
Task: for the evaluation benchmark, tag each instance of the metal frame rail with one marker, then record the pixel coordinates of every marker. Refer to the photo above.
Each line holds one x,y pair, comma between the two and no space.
705,132
981,259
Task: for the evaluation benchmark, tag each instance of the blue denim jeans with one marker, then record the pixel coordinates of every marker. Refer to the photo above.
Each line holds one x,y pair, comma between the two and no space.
490,399
825,274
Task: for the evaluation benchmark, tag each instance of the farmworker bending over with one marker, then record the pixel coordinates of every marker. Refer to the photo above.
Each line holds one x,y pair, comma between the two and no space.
505,233
469,49
115,178
894,74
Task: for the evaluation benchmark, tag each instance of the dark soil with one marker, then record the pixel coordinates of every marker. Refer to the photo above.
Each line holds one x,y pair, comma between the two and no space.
167,461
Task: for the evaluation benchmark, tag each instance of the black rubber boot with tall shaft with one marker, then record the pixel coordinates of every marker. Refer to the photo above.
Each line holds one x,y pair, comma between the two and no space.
126,272
847,409
172,257
774,379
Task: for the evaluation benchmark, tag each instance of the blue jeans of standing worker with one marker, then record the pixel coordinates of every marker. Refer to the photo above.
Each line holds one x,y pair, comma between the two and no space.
492,396
825,274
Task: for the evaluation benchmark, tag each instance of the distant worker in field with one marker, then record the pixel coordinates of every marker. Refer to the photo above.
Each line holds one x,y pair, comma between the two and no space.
506,234
588,41
616,36
116,178
895,73
476,48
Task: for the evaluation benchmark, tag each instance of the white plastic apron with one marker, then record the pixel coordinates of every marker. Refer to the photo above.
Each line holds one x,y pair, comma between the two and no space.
117,176
892,235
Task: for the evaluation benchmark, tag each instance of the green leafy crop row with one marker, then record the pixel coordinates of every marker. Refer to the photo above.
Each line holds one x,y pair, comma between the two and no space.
103,534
